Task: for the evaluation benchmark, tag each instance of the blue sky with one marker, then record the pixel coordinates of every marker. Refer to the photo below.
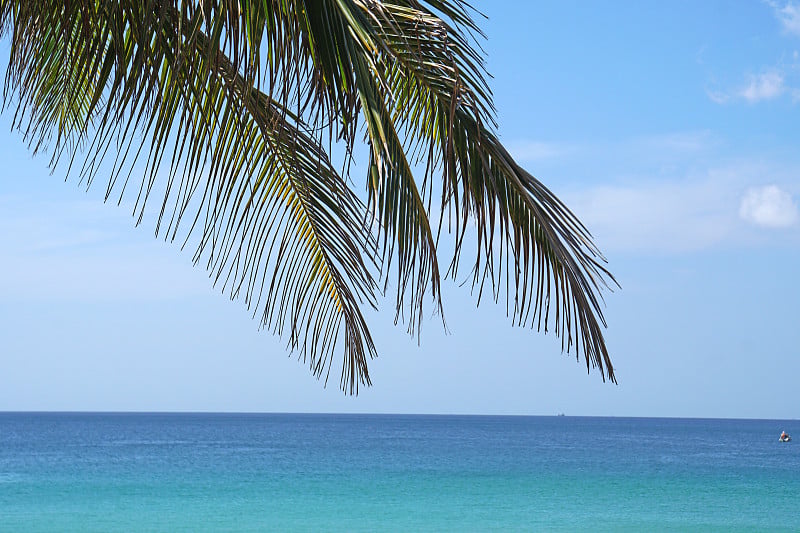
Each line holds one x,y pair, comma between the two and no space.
669,128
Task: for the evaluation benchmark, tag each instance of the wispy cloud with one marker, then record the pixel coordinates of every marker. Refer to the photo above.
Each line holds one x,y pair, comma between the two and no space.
767,85
770,83
664,216
789,16
721,206
679,144
683,143
768,207
56,251
718,97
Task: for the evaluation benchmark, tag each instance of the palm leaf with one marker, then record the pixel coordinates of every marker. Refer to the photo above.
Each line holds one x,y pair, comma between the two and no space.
276,221
447,104
229,110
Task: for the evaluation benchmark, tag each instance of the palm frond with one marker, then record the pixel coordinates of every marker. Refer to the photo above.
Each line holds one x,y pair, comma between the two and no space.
437,82
276,221
229,111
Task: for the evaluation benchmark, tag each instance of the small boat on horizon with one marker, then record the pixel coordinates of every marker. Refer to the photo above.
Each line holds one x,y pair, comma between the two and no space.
785,437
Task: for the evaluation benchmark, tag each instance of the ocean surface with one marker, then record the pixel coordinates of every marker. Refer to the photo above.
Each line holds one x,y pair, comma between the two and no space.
306,472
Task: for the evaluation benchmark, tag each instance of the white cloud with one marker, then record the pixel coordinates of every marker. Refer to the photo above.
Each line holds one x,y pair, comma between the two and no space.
769,207
718,97
768,85
690,209
789,15
772,83
663,216
765,86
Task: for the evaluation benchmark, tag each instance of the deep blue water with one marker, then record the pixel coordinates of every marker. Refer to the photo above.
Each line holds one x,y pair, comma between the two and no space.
288,472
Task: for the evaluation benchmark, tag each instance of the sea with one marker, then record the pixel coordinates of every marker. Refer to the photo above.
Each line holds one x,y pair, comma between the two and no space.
336,472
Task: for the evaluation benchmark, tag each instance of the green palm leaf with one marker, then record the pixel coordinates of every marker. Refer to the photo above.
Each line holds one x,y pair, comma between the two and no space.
228,112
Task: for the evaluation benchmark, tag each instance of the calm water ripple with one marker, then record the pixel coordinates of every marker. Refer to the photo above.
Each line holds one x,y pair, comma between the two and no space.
254,472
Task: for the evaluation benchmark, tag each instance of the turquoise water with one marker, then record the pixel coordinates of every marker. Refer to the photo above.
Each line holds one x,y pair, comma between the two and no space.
282,472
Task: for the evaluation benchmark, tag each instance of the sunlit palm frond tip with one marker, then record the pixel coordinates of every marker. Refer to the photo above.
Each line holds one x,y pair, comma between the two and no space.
228,106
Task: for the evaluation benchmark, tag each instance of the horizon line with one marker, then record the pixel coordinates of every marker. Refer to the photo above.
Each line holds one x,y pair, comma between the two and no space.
295,413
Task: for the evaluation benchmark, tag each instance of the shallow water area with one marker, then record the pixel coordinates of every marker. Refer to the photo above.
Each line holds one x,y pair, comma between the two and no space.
205,472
